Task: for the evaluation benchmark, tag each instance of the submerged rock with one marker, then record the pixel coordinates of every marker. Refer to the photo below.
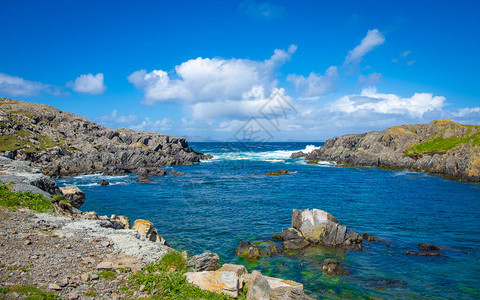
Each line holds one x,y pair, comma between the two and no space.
73,195
369,237
279,172
428,247
175,172
256,250
332,267
204,262
103,182
423,253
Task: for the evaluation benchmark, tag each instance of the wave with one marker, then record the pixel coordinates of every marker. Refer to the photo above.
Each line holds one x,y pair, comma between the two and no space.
271,156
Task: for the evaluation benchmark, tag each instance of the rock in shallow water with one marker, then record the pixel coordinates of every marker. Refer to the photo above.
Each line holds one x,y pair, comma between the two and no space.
73,195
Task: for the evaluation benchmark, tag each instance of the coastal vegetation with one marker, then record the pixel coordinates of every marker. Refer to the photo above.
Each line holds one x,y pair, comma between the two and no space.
166,279
15,200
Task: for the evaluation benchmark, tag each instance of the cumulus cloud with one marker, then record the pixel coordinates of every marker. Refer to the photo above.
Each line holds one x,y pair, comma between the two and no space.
16,86
207,79
162,125
373,39
370,79
115,119
89,84
314,85
371,101
261,10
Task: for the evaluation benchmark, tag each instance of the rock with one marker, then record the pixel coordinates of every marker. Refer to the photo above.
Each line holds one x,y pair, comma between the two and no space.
312,227
144,179
239,270
332,267
428,247
277,237
293,240
248,250
146,229
369,237
54,287
46,184
90,215
120,222
103,182
106,224
215,281
85,277
175,172
279,172
424,253
95,277
204,262
105,265
151,172
285,289
254,253
73,195
258,287
298,154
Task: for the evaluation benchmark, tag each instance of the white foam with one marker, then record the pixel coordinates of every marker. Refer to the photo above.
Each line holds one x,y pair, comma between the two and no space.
271,156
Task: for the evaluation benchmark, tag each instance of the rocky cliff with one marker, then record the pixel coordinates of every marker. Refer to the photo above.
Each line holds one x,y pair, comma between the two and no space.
62,143
441,147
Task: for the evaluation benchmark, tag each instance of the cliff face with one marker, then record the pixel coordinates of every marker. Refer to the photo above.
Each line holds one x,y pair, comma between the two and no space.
442,147
62,143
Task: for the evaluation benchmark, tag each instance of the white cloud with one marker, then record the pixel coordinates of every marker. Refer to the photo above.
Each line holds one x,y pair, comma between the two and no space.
466,112
373,39
89,84
162,125
371,101
210,79
261,10
370,79
114,119
405,53
16,86
314,85
411,62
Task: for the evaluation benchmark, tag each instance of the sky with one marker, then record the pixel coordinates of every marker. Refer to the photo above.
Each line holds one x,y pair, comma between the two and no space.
222,70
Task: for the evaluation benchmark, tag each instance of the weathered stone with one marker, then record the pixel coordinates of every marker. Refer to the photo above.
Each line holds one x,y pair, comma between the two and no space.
146,229
258,287
105,265
332,267
47,184
293,240
73,195
204,262
285,289
279,172
175,172
90,215
120,222
369,237
54,287
239,270
215,281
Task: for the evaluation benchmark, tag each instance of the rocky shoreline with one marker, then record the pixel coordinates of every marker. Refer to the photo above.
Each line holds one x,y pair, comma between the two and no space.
440,147
80,255
65,144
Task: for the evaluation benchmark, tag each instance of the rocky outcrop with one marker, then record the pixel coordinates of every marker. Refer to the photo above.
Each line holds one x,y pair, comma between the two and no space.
276,173
215,281
256,250
73,195
332,267
261,287
318,227
442,147
62,143
204,262
146,229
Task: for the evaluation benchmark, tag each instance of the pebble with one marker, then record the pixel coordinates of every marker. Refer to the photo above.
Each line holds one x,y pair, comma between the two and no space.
54,287
68,246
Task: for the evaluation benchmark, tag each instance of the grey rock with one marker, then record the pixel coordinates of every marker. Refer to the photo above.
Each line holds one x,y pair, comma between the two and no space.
204,262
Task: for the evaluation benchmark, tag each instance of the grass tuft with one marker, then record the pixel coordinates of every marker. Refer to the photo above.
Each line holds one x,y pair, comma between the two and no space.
13,200
107,274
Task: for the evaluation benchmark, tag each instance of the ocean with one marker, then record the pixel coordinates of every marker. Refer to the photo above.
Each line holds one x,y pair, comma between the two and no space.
228,199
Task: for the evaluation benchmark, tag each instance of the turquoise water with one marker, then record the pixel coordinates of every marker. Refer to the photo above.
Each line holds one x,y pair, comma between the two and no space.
219,203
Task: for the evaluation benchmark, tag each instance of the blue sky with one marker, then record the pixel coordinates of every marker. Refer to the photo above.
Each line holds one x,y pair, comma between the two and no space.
203,69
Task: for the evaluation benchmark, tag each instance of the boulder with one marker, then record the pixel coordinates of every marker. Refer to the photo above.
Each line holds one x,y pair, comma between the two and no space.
239,270
258,287
47,184
256,250
316,226
293,240
103,182
120,222
146,229
73,195
143,179
369,237
215,281
90,215
151,172
204,262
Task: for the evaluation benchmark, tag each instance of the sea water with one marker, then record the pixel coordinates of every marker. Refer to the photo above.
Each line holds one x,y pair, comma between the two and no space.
228,199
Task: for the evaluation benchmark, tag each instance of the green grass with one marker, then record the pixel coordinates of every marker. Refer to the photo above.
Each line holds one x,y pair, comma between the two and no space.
32,293
167,278
107,274
4,290
91,294
13,200
440,145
